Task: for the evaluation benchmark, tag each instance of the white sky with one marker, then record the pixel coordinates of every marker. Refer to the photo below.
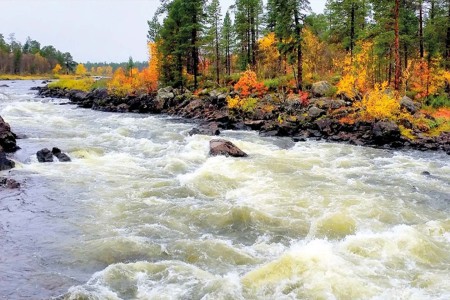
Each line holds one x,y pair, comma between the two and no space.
91,30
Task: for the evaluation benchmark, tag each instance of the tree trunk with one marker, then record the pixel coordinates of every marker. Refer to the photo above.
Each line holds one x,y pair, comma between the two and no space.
253,37
447,41
194,49
397,46
352,31
217,51
421,29
298,32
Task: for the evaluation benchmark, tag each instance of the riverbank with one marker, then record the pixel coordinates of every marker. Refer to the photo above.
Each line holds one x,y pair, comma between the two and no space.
320,119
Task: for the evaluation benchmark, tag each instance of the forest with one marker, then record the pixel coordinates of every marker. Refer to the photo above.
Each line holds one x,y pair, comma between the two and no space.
357,45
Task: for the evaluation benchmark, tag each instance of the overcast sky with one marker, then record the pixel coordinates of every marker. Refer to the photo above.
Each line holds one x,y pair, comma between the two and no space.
91,30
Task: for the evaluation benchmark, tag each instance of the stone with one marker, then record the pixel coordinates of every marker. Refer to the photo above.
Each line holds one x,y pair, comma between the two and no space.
7,138
315,112
44,155
59,155
207,129
321,88
226,148
5,163
408,104
385,132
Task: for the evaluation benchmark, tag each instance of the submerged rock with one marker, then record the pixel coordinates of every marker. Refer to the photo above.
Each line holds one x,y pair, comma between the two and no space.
9,183
224,147
5,163
44,155
59,155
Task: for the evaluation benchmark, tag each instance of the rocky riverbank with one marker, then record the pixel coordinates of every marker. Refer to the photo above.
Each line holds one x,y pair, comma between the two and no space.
319,119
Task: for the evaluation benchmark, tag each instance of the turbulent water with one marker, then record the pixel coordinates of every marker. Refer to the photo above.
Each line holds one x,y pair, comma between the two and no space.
142,212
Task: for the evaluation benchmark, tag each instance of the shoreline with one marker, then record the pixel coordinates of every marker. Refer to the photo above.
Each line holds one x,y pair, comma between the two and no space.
316,121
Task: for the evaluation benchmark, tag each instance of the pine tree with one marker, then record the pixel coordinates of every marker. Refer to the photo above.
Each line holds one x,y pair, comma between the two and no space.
227,41
212,34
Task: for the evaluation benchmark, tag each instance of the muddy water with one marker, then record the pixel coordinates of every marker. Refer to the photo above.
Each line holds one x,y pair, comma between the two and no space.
142,212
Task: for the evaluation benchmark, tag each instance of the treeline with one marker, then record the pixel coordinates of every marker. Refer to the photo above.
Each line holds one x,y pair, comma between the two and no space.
377,40
93,67
31,58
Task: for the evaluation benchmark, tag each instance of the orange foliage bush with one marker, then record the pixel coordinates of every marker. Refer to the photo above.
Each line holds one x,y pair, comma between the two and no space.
425,79
249,85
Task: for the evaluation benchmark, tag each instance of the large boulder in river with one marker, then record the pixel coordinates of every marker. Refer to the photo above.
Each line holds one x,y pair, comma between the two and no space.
44,155
321,88
224,147
7,138
5,163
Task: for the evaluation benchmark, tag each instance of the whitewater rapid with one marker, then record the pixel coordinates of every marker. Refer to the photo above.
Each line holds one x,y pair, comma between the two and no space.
142,212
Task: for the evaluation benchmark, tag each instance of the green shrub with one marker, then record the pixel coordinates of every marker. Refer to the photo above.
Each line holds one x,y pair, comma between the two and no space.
438,101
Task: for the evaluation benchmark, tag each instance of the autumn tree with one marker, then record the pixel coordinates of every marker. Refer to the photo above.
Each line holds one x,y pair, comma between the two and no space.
80,70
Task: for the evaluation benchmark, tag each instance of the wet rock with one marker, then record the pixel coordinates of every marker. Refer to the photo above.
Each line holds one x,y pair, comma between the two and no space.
224,147
5,163
9,183
425,173
164,96
254,124
321,88
60,155
44,155
385,132
409,105
4,85
207,129
7,138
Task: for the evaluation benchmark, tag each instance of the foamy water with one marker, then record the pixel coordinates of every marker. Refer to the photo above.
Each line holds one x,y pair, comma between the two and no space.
142,212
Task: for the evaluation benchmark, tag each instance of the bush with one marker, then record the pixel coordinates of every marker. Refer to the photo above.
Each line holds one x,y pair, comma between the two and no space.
243,104
84,84
248,85
380,104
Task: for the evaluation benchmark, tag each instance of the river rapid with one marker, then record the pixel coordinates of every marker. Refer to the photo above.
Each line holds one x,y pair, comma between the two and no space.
142,212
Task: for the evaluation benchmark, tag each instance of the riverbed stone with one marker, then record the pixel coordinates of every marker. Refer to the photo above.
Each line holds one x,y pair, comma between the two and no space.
385,132
5,163
7,137
63,157
224,147
44,155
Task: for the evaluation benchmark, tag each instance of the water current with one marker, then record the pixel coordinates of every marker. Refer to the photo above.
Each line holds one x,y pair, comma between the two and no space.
142,212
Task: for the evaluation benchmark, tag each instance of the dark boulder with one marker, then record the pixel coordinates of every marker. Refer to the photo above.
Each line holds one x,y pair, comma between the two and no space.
224,147
7,138
385,132
5,163
44,155
59,155
4,85
315,112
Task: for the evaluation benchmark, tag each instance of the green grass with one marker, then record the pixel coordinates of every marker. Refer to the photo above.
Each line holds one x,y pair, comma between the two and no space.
83,84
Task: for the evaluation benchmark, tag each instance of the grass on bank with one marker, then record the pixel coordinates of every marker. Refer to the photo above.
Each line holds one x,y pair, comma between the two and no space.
83,84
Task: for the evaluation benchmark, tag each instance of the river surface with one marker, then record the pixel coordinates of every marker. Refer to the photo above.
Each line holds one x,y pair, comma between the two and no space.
142,212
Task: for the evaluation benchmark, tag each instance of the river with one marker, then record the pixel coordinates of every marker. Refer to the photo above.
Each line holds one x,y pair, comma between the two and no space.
142,212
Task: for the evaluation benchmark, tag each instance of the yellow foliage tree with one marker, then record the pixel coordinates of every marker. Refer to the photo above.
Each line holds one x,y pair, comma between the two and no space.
380,104
120,84
357,72
57,69
269,58
80,70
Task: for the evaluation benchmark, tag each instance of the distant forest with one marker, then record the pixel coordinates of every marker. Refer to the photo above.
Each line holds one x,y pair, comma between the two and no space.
30,58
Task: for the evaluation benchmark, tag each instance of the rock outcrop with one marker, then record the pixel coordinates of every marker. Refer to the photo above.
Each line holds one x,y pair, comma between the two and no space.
7,137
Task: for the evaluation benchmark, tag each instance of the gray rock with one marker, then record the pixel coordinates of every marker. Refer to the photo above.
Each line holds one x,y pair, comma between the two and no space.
59,155
224,147
315,112
321,88
408,104
44,155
